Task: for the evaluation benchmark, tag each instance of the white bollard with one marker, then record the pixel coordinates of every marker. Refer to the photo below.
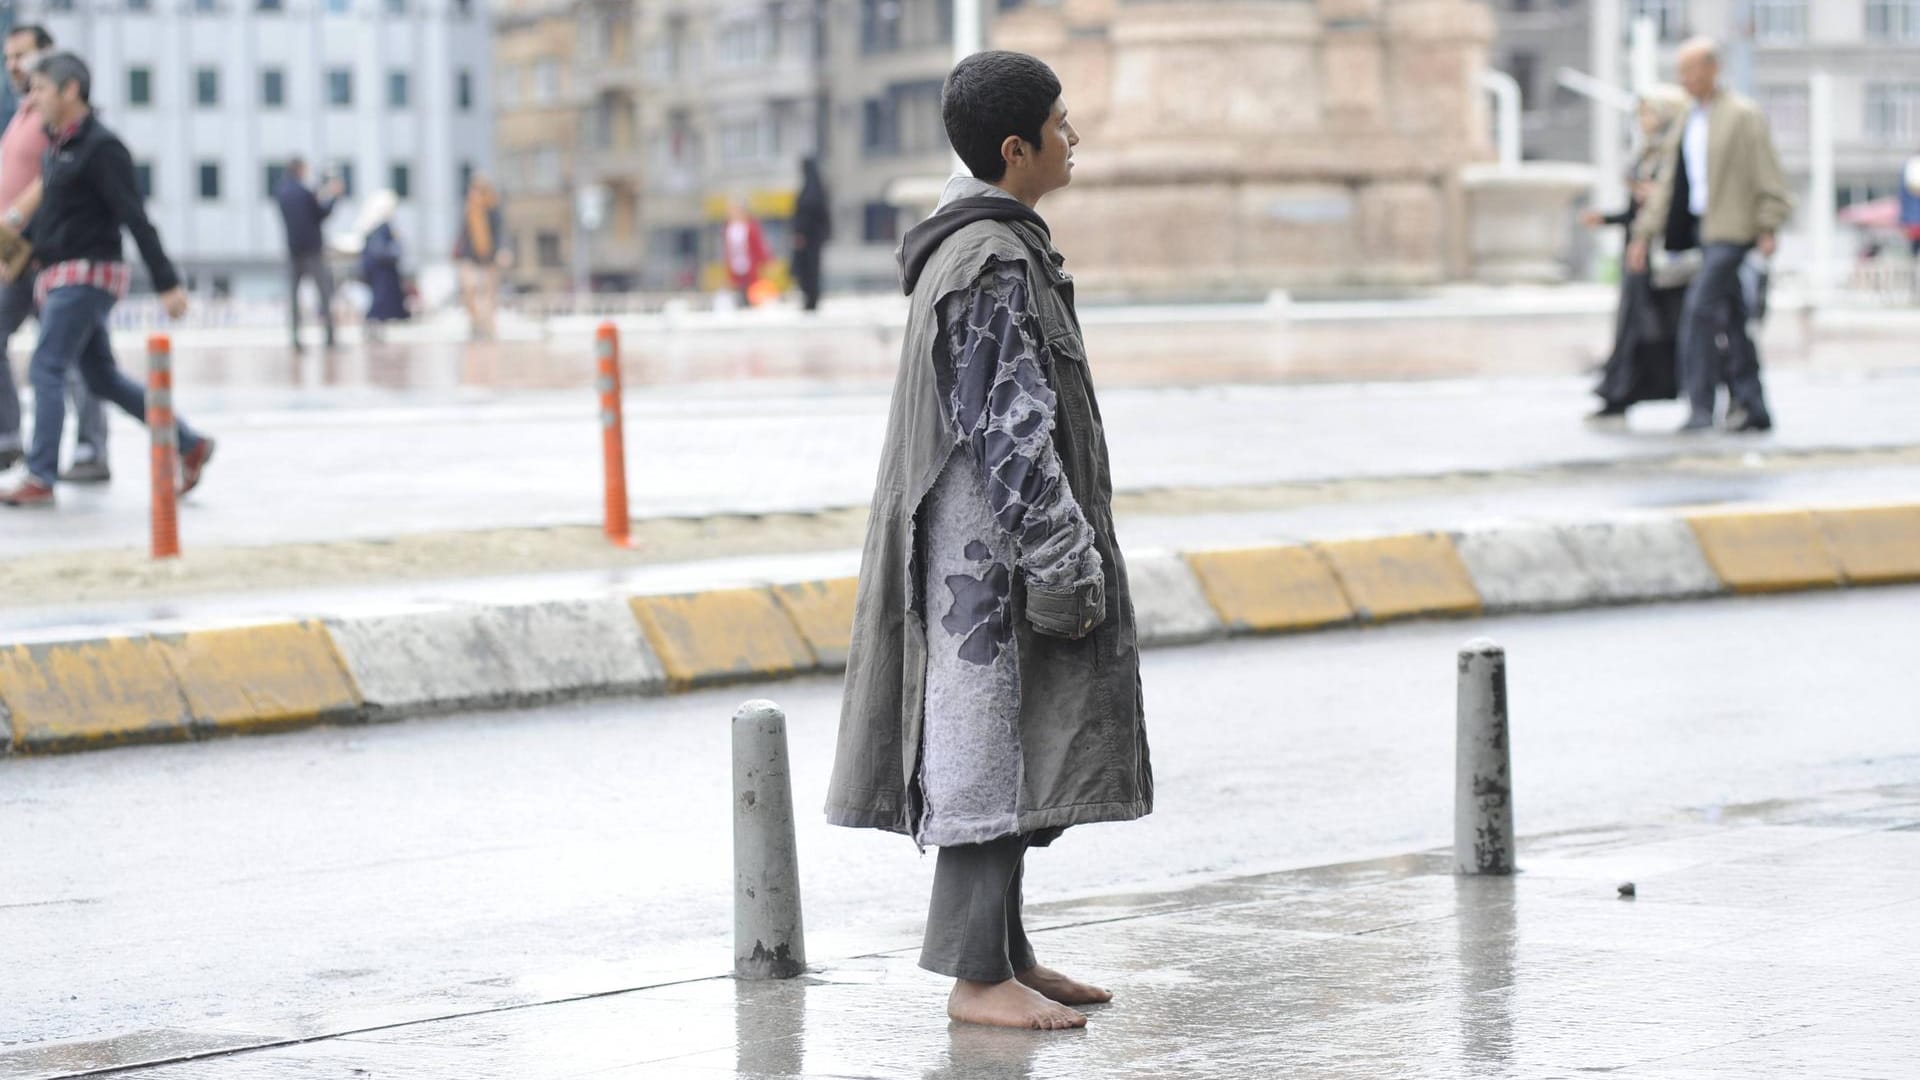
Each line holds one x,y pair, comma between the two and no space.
1483,778
769,941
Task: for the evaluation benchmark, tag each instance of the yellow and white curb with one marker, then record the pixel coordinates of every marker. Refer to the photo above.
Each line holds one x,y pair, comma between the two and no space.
136,687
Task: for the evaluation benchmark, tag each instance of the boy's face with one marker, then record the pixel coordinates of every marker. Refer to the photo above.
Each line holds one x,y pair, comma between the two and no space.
1033,172
1053,165
48,101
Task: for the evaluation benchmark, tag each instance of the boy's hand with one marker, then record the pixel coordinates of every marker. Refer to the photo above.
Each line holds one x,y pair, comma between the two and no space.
174,300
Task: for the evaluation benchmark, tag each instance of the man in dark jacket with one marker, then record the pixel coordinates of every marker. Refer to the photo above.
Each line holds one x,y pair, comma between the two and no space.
993,679
88,194
304,212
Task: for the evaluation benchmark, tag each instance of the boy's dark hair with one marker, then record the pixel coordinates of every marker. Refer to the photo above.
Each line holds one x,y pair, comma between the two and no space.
41,39
991,95
63,68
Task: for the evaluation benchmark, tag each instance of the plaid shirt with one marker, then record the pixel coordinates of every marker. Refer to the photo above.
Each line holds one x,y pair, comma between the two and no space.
113,277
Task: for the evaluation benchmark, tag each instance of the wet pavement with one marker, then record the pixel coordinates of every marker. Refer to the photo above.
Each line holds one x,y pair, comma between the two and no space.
381,884
1775,939
287,474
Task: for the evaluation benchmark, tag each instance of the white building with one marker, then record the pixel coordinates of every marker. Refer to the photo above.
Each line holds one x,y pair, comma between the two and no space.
214,96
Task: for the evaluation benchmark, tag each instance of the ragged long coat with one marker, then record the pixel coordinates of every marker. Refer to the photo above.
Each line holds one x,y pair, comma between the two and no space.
1082,734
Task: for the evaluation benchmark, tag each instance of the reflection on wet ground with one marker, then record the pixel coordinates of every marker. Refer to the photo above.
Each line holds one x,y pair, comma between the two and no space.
1778,939
1137,353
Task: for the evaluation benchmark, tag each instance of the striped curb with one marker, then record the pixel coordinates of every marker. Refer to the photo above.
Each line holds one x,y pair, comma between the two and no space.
132,688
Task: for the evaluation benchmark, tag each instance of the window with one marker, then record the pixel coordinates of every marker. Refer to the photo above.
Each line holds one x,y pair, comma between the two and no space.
143,178
465,179
1893,112
1525,69
396,7
547,172
1785,105
274,175
270,5
546,82
209,181
882,223
1779,22
343,169
1893,20
340,87
739,43
1669,17
463,90
743,139
206,86
879,25
206,7
397,90
140,86
60,5
273,88
905,121
547,244
400,179
138,6
339,7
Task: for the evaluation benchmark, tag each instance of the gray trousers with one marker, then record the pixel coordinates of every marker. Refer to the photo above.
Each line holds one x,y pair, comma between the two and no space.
315,267
974,930
1717,305
16,303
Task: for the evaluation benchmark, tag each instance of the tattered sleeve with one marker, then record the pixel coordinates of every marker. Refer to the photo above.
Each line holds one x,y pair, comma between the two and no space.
1002,410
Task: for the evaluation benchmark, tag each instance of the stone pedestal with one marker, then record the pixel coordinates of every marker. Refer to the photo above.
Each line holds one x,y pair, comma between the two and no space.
1520,219
1237,146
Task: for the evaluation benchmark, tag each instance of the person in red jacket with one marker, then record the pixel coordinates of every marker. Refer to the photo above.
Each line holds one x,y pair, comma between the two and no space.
744,247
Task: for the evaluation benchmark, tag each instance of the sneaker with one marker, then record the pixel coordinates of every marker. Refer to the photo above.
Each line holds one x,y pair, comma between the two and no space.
1747,424
87,472
1608,416
1695,425
192,463
10,457
29,493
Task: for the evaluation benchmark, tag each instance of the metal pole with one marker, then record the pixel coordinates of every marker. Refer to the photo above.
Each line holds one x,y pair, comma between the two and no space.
165,455
769,940
1820,200
1603,61
969,29
1483,777
1645,56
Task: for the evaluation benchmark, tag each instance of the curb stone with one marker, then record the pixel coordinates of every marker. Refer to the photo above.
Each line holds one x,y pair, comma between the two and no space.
134,687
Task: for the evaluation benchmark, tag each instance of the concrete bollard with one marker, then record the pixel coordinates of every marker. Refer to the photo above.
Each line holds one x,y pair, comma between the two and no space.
1483,777
769,941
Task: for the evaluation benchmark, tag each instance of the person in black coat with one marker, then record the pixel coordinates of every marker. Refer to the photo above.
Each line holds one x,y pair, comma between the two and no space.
380,254
1643,365
812,228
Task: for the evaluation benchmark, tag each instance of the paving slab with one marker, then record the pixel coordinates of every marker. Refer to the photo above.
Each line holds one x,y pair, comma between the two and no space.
1749,955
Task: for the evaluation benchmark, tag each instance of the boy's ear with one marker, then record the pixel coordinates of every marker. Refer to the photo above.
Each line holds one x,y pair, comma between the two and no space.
1012,148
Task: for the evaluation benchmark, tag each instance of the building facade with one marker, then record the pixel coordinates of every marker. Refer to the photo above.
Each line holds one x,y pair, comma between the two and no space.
213,97
1871,48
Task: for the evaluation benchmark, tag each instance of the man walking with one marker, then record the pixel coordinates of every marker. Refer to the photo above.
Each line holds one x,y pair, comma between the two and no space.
88,195
21,147
1722,191
992,691
303,212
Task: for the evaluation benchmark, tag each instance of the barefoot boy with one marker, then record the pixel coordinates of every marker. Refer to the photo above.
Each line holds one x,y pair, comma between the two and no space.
993,690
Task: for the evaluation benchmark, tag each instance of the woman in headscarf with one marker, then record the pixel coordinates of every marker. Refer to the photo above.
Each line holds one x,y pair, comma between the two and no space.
1643,365
812,228
481,255
380,260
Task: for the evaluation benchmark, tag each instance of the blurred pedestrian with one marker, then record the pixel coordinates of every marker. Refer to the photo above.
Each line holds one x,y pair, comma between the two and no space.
21,148
380,255
812,228
1724,193
745,248
303,211
481,255
88,194
992,689
1643,365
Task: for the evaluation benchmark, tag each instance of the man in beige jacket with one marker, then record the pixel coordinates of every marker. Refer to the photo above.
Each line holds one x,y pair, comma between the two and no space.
1724,193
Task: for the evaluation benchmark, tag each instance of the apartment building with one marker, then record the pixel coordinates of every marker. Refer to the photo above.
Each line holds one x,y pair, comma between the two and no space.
214,96
536,138
1870,47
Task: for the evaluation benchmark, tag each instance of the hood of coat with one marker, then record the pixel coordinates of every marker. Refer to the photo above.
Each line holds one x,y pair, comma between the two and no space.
965,201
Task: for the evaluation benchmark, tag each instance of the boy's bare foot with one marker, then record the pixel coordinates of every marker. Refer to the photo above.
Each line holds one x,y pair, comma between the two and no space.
1058,987
1008,1004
